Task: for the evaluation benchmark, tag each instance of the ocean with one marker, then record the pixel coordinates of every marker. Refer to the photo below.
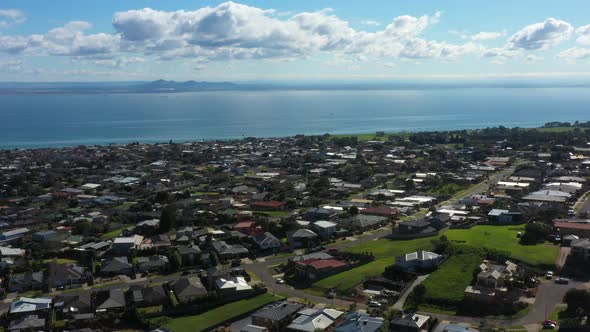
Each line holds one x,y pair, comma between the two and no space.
34,121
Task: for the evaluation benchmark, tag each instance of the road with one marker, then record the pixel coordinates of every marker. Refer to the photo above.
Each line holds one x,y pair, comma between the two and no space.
399,305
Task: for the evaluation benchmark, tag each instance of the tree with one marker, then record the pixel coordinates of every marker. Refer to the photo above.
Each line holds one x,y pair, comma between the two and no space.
168,218
534,233
353,210
578,301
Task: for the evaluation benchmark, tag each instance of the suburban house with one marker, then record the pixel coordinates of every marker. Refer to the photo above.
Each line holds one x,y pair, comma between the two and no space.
229,251
267,205
325,229
315,214
276,316
61,275
267,241
419,260
311,320
156,263
188,289
491,281
68,305
410,323
116,266
302,238
415,227
579,229
190,255
248,227
123,245
381,211
147,227
13,235
27,305
504,217
24,282
364,222
109,300
232,287
27,323
357,322
149,296
581,249
315,268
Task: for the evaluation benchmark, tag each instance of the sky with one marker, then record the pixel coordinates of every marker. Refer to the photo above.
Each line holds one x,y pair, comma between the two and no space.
303,40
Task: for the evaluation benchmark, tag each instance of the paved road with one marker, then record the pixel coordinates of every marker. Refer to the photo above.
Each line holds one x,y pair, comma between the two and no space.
399,305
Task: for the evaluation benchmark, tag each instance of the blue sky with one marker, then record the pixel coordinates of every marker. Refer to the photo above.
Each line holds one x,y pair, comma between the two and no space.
111,40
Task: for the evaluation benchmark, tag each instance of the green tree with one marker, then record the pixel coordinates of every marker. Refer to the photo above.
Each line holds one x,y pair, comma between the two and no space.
168,218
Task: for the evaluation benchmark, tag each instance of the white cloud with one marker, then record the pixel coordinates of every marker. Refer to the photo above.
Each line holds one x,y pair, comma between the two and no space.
70,40
118,63
370,23
574,53
10,17
485,35
539,36
584,35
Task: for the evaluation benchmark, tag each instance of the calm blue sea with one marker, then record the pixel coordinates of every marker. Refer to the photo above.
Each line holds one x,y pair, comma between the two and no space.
65,120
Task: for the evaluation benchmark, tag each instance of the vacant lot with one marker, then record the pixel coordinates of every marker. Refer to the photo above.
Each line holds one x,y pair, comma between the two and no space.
447,284
218,315
504,238
385,252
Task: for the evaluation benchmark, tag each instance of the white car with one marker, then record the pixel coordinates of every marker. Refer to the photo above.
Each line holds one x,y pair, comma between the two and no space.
374,304
280,281
549,275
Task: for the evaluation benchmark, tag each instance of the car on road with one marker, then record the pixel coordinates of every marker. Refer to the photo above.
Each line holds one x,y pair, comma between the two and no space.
562,281
374,304
280,281
549,275
549,324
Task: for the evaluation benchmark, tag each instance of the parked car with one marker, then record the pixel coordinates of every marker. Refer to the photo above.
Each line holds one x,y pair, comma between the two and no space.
374,304
549,324
280,281
562,281
549,275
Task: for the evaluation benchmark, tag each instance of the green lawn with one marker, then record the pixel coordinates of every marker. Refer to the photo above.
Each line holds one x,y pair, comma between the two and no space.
504,238
385,252
448,282
113,233
60,261
220,314
276,214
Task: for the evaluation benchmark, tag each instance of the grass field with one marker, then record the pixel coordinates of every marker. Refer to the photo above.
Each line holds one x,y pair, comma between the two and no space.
112,234
385,252
218,315
448,282
504,238
492,237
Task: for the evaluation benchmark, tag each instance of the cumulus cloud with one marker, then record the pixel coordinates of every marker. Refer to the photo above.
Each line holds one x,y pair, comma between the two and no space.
485,35
539,36
574,53
233,31
118,63
584,35
10,17
70,40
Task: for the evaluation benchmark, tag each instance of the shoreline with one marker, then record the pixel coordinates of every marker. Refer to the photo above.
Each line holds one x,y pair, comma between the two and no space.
361,136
